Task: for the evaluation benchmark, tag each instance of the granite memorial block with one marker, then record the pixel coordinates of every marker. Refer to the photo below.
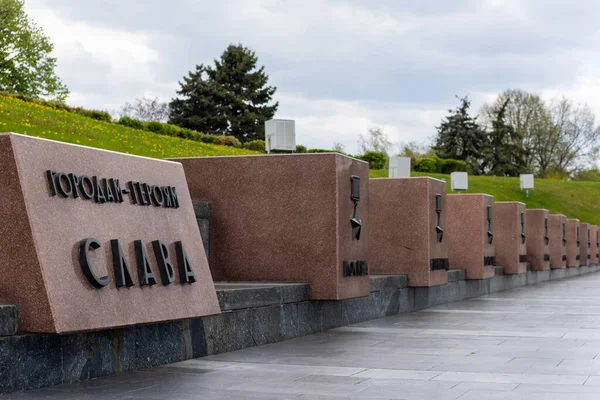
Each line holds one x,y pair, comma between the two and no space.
538,239
510,236
407,220
595,250
95,239
573,243
471,234
585,246
558,240
290,218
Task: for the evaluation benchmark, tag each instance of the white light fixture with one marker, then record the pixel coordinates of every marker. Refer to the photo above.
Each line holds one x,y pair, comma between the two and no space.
459,181
526,182
399,167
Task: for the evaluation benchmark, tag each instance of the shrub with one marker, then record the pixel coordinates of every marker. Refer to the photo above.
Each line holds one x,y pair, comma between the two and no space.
256,145
227,141
319,151
376,159
438,165
130,122
94,114
451,165
428,165
300,148
154,126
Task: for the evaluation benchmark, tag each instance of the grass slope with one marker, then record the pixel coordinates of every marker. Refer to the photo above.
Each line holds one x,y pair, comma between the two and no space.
574,199
36,120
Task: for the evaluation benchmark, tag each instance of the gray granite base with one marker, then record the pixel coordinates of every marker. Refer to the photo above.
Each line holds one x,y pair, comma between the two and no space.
253,314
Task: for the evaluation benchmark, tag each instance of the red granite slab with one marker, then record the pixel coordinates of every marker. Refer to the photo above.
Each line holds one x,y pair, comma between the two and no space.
574,240
41,265
284,218
585,255
510,237
558,240
469,244
403,237
538,239
595,244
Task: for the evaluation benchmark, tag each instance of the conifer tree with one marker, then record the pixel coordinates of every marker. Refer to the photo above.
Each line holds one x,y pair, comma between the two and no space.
231,98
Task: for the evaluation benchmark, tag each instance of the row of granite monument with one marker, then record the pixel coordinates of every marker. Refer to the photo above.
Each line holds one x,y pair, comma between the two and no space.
94,239
320,219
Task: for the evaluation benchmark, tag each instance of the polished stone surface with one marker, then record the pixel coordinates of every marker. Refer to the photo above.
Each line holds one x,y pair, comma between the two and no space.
40,235
536,342
538,239
284,218
403,236
558,238
510,226
574,241
586,244
595,244
469,233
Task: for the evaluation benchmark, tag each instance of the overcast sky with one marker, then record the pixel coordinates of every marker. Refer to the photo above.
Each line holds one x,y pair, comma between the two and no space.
340,67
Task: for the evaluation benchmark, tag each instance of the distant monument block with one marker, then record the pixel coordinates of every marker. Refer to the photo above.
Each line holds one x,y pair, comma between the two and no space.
573,243
595,249
471,234
291,218
510,236
538,239
407,220
94,239
585,255
558,240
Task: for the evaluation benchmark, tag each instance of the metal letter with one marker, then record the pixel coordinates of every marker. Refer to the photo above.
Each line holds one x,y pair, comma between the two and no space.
64,191
84,247
145,273
120,265
186,275
50,176
163,258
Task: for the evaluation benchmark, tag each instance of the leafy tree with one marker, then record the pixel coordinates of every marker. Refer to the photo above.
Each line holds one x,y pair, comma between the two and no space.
505,151
462,138
146,109
575,137
555,139
231,98
376,141
26,65
528,115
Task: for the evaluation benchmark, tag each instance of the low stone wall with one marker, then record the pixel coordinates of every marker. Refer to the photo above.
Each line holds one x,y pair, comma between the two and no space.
253,314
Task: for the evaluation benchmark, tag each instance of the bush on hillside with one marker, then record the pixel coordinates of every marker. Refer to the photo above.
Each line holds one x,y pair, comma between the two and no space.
256,145
227,141
436,165
300,148
94,114
130,122
376,159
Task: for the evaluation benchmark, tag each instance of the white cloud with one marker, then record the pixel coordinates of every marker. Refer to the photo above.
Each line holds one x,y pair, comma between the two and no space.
341,66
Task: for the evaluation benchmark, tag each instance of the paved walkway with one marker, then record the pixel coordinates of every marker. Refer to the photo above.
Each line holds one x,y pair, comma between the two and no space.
537,342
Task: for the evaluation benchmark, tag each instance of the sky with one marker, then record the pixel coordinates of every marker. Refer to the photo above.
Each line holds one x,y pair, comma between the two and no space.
340,67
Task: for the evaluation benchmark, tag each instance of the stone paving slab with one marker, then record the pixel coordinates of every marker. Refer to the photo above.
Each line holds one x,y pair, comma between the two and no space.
537,342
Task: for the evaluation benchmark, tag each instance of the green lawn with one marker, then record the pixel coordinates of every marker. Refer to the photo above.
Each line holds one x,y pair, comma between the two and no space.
36,120
574,199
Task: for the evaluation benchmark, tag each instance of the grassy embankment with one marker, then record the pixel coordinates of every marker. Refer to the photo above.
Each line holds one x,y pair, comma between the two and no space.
574,199
40,121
